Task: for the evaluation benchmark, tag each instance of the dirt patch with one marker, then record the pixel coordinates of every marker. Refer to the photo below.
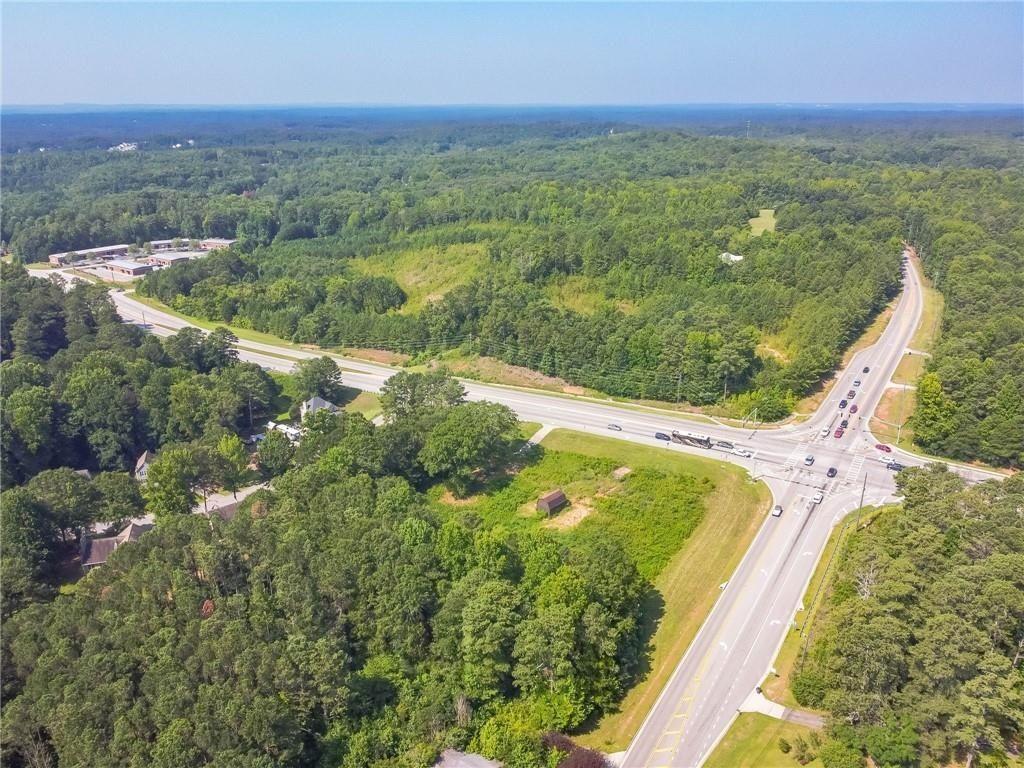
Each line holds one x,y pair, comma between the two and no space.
495,371
621,472
385,356
449,498
570,518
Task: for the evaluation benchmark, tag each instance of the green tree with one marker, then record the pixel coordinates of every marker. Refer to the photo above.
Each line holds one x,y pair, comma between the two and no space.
234,461
171,482
319,376
275,453
470,437
406,393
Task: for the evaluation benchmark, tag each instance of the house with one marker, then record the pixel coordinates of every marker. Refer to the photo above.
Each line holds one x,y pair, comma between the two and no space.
130,268
314,404
142,465
96,551
451,758
552,502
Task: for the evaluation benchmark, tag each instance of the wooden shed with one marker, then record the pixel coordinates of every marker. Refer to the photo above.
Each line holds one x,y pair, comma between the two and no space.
552,501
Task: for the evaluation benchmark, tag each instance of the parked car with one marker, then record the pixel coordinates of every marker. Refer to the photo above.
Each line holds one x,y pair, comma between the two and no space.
839,432
808,461
818,498
832,472
742,452
866,370
662,436
895,466
883,448
844,423
843,404
614,427
777,510
854,408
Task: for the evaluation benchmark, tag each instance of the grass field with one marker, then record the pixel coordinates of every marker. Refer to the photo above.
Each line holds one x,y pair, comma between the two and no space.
765,222
583,294
354,401
895,407
910,369
931,313
688,581
426,274
753,742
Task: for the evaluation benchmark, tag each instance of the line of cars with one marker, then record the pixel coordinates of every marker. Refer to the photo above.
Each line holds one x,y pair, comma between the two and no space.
701,441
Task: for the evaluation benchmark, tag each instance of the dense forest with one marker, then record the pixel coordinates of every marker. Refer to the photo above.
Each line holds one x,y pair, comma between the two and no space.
592,256
919,659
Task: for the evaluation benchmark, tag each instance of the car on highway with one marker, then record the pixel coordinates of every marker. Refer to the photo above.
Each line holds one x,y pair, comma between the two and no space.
844,423
724,444
808,460
832,472
856,382
839,432
895,466
866,370
662,436
825,431
742,452
851,394
818,498
842,404
777,510
884,448
614,427
854,408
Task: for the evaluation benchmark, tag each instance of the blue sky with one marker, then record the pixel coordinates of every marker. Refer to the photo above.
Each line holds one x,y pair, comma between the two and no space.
496,53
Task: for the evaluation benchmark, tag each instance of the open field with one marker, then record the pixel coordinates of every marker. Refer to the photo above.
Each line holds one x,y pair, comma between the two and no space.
895,407
910,369
688,582
765,222
753,742
584,295
426,274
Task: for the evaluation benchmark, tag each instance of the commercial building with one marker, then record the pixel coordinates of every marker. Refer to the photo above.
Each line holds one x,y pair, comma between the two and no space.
168,259
130,268
213,243
103,252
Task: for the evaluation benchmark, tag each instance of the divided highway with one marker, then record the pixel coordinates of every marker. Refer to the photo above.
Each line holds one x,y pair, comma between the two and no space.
734,649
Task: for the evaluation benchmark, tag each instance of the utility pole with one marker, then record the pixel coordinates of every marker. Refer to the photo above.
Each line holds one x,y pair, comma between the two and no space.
863,488
899,419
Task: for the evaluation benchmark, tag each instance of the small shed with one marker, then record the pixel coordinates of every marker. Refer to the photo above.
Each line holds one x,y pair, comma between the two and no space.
552,501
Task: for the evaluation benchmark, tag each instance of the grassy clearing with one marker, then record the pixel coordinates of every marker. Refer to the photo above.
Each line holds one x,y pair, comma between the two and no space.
353,400
688,581
765,222
426,274
753,742
895,407
910,369
41,266
931,313
584,295
365,403
528,429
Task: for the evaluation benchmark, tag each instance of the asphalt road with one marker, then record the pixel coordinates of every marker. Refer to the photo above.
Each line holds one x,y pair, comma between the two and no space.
735,647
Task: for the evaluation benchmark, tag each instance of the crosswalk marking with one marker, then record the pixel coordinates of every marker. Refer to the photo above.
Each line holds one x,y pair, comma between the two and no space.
797,455
854,471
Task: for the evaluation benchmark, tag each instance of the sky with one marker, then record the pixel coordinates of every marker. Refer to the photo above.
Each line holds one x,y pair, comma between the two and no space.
496,53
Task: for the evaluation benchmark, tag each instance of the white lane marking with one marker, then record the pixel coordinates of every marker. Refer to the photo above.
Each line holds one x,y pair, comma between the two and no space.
854,471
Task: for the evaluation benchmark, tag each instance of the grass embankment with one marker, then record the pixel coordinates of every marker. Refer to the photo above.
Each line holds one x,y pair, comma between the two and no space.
753,742
687,520
765,222
425,274
894,409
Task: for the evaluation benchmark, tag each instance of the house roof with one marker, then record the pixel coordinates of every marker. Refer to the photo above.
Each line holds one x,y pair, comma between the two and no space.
143,460
317,403
125,264
97,551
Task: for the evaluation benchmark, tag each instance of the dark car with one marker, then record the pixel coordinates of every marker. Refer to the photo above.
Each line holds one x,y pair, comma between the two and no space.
662,436
844,423
832,472
851,394
614,427
839,431
842,403
895,466
724,444
854,408
866,370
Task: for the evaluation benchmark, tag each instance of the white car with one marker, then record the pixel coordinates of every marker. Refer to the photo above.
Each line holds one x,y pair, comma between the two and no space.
824,431
777,510
808,461
741,452
818,498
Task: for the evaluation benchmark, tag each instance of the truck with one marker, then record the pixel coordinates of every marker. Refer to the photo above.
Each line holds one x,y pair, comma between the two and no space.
687,438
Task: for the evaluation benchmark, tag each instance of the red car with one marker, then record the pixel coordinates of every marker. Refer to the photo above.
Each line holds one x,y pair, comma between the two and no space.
839,432
851,394
854,408
883,448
